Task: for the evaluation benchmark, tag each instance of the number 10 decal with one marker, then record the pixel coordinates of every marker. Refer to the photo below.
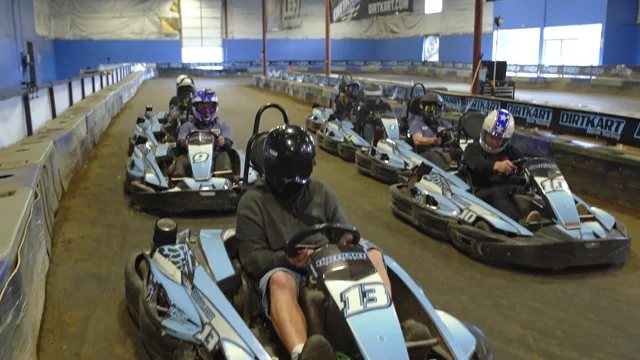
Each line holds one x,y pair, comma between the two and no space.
468,216
361,298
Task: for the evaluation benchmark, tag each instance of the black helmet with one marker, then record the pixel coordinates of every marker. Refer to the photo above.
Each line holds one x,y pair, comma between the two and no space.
289,157
431,105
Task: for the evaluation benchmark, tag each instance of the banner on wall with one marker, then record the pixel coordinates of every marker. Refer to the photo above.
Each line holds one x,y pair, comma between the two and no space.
283,15
345,10
431,49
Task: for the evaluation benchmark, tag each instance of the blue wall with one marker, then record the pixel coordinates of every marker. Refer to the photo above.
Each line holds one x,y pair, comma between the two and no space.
17,26
73,55
460,47
314,49
620,33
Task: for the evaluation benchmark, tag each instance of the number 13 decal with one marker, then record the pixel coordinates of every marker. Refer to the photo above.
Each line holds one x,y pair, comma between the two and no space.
364,297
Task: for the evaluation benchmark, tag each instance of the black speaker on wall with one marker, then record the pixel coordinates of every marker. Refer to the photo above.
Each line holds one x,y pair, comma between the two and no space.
501,70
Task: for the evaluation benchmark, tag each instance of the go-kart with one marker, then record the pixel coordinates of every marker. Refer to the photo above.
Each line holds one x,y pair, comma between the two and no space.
570,234
338,137
392,161
150,182
150,127
191,300
317,118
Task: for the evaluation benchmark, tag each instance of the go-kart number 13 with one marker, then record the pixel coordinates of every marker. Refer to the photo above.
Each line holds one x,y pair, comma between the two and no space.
360,298
208,336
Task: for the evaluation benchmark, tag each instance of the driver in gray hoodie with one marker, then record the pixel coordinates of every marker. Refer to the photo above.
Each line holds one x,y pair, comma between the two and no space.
268,215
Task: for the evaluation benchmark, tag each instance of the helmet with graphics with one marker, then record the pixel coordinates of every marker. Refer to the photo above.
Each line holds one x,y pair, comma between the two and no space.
204,105
497,130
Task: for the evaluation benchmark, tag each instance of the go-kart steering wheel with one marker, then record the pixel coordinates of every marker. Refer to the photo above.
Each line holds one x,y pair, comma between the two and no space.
451,137
333,232
209,132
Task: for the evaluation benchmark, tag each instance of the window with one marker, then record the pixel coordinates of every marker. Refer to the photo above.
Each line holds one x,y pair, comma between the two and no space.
517,46
577,45
431,49
432,6
197,54
201,31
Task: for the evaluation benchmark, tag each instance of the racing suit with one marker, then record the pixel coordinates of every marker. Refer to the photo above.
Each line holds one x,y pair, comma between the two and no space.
433,153
265,223
491,186
222,160
366,123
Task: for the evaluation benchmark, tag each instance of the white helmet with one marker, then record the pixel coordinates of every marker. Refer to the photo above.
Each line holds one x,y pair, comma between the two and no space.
180,78
497,130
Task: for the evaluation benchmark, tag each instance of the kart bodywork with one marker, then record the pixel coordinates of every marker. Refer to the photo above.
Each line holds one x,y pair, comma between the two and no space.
317,118
338,137
571,234
148,127
392,161
150,182
191,300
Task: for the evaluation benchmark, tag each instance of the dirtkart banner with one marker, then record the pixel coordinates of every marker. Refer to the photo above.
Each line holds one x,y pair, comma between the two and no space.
345,10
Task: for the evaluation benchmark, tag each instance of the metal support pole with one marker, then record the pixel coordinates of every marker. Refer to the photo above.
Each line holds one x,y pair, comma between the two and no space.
82,89
70,86
327,37
27,113
264,37
477,44
225,10
52,102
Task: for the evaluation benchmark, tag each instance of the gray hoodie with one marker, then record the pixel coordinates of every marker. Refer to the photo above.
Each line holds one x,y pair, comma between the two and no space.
265,223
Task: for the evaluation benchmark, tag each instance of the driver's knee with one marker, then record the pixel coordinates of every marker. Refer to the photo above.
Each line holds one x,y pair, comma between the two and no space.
282,283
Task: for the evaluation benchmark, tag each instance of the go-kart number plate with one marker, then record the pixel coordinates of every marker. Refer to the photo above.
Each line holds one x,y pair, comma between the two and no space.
200,158
468,216
361,298
208,336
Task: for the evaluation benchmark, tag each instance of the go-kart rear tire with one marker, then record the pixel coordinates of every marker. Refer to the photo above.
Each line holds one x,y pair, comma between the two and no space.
133,285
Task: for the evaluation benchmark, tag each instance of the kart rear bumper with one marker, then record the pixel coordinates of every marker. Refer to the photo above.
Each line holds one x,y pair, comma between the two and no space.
328,144
541,252
347,151
184,201
369,166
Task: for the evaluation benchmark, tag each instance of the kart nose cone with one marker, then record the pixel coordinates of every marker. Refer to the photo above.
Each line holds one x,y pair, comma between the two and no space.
165,232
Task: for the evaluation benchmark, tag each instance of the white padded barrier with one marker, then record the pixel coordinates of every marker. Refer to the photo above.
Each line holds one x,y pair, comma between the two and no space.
34,173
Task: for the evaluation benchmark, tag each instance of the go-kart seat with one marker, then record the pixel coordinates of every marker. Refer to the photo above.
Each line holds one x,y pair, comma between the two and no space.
255,153
470,125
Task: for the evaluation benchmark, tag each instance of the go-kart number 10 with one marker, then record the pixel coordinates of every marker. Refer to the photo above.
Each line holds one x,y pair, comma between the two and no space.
468,216
360,298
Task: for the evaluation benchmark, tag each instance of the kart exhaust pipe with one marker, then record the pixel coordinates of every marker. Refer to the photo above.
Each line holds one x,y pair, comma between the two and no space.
165,232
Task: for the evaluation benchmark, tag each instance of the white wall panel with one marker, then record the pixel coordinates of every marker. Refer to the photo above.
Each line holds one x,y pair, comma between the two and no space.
245,22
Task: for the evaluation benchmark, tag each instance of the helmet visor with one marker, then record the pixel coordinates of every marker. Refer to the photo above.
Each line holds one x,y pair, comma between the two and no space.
206,108
296,171
491,143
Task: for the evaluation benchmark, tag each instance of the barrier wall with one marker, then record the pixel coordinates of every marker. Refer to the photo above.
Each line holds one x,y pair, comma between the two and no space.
597,79
605,172
35,172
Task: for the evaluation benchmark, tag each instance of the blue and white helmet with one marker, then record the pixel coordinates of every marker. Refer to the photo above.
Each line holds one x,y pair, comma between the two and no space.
205,105
497,130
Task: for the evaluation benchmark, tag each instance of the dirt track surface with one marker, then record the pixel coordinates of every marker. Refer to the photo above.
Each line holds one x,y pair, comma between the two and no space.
573,315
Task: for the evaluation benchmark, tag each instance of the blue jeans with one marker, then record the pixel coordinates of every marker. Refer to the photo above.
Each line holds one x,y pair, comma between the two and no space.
263,284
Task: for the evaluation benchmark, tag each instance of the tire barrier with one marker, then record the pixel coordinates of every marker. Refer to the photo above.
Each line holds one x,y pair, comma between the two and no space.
34,174
601,171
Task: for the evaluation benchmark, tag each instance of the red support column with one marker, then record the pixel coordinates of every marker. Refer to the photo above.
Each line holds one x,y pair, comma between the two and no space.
477,45
264,37
327,37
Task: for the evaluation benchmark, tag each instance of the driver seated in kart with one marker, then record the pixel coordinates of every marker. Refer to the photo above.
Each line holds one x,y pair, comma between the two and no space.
490,165
175,100
347,99
367,118
284,203
204,106
185,92
425,126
